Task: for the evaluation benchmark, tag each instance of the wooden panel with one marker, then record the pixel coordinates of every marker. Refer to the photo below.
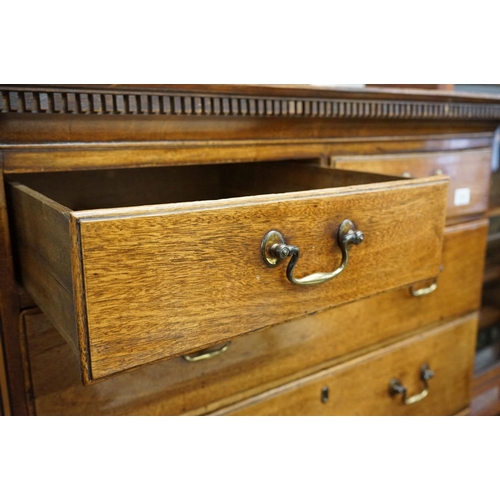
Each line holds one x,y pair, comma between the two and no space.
260,361
4,391
360,386
153,302
127,187
118,188
15,397
81,156
469,173
275,91
269,178
42,239
256,90
28,128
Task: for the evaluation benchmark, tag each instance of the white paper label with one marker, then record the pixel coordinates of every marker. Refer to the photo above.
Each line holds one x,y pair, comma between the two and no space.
462,197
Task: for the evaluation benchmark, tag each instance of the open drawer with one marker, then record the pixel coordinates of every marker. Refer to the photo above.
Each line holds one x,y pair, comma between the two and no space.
137,266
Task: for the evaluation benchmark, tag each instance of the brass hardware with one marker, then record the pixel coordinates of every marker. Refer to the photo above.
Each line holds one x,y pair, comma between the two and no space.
407,175
325,395
396,387
207,355
271,239
438,172
274,250
424,291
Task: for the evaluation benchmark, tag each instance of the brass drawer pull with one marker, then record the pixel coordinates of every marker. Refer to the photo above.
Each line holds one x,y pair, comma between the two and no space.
274,250
424,291
396,387
207,355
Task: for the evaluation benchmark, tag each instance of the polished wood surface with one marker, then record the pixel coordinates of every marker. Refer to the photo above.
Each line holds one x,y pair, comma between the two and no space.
50,98
206,232
74,156
42,239
468,170
360,386
96,128
4,391
262,360
49,127
122,188
14,395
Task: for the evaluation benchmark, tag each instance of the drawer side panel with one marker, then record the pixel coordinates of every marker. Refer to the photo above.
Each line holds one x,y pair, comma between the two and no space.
42,234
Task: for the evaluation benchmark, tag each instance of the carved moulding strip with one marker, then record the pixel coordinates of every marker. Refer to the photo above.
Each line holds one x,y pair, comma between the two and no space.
140,103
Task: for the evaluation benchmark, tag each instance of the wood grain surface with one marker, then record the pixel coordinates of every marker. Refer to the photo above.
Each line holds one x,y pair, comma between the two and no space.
466,169
261,361
145,269
13,393
176,279
64,156
360,386
61,128
275,90
28,128
41,229
4,388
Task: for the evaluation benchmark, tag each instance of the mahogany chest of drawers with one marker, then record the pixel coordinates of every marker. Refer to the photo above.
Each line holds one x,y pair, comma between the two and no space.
173,250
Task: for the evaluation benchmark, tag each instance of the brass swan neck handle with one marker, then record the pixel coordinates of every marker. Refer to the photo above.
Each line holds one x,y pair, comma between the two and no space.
396,387
274,250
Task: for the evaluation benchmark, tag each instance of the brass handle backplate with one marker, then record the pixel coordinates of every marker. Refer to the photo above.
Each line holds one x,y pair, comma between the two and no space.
274,250
204,356
396,387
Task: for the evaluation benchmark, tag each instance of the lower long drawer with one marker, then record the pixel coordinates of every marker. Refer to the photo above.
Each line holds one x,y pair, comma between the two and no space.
428,374
260,361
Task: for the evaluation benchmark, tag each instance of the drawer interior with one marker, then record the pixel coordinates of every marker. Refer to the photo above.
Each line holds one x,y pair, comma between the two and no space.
102,189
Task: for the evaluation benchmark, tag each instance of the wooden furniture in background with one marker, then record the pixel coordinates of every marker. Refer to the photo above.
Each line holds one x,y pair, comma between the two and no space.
133,217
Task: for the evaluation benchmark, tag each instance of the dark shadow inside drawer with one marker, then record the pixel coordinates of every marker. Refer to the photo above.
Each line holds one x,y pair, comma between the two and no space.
100,189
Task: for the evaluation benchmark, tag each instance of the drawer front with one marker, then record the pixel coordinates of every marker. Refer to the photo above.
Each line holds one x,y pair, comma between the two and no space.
428,374
155,282
261,361
469,173
160,285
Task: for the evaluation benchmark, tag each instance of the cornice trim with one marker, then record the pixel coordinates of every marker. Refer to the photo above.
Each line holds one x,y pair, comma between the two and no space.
184,104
